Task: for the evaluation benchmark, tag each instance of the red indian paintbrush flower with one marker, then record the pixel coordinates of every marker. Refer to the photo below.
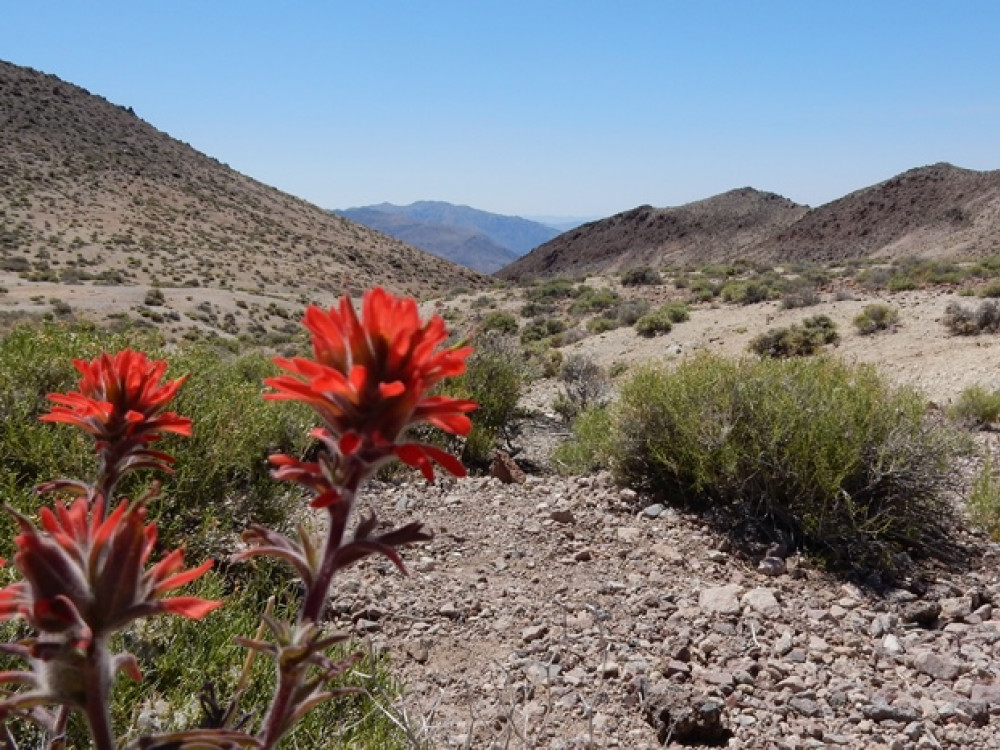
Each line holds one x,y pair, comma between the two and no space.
369,381
86,575
121,403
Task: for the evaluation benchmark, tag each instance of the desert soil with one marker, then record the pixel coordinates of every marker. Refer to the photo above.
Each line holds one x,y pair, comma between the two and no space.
569,613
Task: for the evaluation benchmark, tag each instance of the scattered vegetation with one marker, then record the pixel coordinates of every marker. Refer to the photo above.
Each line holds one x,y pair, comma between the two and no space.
796,340
585,384
965,321
662,319
976,407
876,317
641,276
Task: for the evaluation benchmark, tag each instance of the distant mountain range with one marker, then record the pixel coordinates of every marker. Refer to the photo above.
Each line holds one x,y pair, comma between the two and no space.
477,239
934,211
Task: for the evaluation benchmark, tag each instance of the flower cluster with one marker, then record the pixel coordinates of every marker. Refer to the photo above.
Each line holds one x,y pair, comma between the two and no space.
88,572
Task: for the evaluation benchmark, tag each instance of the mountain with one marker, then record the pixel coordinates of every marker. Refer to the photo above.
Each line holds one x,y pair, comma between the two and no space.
467,247
89,191
479,239
934,211
725,226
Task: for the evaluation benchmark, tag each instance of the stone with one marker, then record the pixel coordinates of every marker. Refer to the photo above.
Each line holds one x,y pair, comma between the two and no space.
504,469
534,632
935,666
763,601
562,516
720,600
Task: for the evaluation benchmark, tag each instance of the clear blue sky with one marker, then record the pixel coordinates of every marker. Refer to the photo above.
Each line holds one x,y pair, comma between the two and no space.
534,107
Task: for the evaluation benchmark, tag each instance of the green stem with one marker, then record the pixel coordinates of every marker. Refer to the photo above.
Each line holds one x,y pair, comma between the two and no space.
312,609
98,695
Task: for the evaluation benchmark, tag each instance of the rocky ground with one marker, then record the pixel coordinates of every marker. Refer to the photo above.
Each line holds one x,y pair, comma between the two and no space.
570,613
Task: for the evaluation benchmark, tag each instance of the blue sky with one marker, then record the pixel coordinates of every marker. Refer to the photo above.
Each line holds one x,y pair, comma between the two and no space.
574,108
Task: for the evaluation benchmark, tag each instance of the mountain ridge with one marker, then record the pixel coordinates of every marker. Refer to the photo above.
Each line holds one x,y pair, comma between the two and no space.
938,210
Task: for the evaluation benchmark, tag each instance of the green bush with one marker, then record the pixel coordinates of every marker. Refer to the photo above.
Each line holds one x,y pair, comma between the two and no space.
654,323
828,452
875,317
796,340
990,289
224,461
541,328
593,300
746,292
548,291
977,407
984,499
641,276
662,319
589,447
493,378
502,322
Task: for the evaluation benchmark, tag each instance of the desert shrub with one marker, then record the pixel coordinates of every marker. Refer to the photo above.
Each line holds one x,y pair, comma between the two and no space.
703,290
796,340
641,276
493,378
584,384
629,311
541,328
746,292
601,324
502,322
976,407
902,283
654,323
991,289
589,447
875,317
154,297
964,321
677,310
826,451
592,300
548,291
662,319
805,296
984,499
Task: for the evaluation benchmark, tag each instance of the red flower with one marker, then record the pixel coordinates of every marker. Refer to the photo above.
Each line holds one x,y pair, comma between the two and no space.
121,402
86,575
369,382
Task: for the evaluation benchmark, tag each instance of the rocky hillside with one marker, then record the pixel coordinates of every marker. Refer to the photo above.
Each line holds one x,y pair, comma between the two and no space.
725,226
89,191
935,211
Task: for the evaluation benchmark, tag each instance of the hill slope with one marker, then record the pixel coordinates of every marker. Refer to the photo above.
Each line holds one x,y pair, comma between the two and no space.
939,210
722,227
935,211
88,190
467,247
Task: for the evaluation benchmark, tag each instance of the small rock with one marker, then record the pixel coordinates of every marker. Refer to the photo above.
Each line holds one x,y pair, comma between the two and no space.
562,516
654,511
720,600
534,632
762,600
772,566
935,666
